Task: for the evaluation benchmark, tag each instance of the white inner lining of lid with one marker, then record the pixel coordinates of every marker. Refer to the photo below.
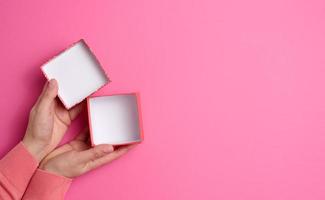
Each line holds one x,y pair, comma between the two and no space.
78,73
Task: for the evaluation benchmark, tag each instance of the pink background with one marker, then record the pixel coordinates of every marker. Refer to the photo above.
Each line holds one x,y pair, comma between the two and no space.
232,92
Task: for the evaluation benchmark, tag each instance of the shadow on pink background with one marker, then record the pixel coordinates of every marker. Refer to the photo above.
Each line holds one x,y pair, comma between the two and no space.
232,92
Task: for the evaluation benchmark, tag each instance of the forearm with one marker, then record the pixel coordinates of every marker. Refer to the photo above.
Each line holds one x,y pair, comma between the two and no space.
16,170
46,185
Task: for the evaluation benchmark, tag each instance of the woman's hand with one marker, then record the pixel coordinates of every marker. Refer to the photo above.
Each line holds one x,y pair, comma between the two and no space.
77,157
48,121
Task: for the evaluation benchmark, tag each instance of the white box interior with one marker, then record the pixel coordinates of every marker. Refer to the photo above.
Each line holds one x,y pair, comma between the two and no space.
114,119
78,73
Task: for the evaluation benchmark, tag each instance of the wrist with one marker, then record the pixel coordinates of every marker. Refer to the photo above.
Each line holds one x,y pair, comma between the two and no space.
38,150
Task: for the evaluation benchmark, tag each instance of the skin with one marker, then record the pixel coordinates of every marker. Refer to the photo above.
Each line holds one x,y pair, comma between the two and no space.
81,157
48,122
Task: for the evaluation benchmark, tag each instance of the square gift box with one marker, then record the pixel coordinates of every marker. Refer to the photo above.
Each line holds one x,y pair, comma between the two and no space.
78,73
115,119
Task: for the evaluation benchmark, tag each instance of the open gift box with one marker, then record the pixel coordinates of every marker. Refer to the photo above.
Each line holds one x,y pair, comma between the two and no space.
78,73
114,119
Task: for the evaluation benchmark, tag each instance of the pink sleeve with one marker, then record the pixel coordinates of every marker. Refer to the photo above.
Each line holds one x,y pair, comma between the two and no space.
16,170
45,185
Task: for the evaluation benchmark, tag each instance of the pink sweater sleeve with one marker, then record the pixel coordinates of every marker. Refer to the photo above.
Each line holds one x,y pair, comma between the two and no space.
16,170
45,185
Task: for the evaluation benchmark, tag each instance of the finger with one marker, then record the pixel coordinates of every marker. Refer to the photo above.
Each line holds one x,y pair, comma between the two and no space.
76,110
43,90
83,135
95,153
110,157
49,94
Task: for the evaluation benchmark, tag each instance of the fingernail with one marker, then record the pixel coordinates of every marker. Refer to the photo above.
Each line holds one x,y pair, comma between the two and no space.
52,83
108,149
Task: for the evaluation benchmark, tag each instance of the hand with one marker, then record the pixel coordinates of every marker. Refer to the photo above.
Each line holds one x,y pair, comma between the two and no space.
48,121
77,157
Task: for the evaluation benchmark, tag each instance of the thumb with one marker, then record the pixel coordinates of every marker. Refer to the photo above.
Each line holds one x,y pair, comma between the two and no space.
49,94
